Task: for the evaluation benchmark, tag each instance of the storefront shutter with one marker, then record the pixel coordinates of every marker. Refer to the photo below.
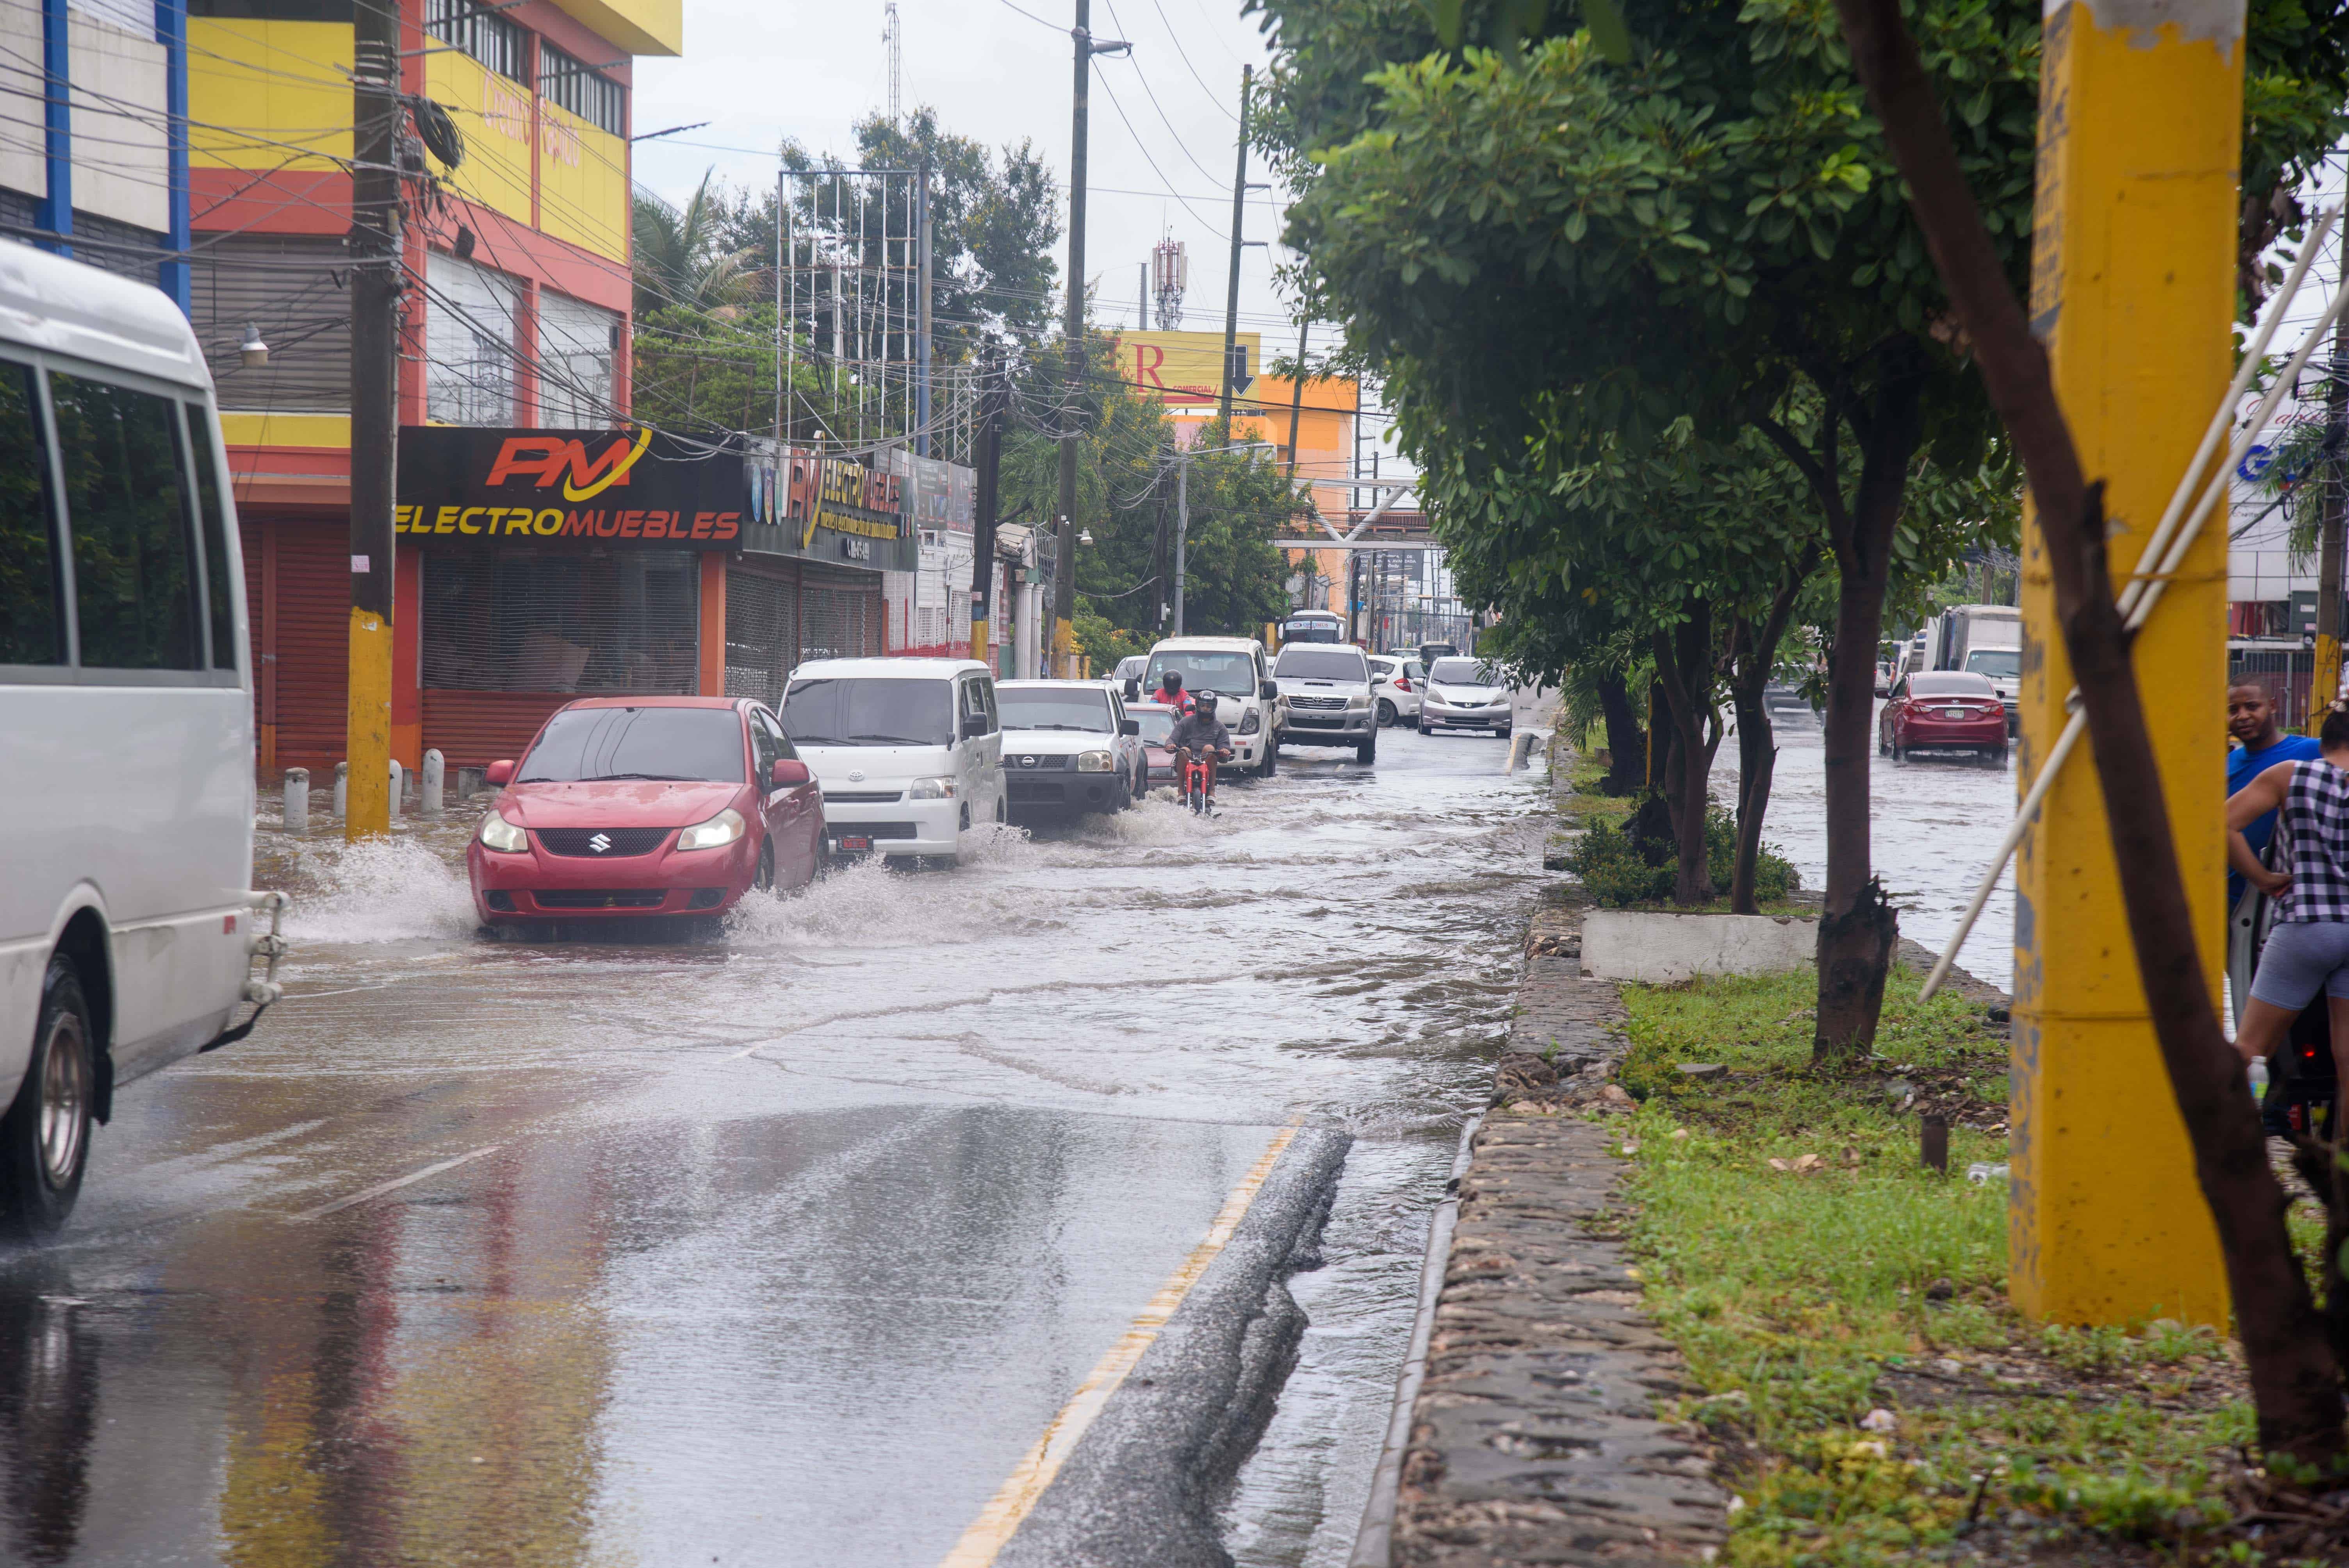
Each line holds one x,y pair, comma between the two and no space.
310,680
621,625
761,633
291,287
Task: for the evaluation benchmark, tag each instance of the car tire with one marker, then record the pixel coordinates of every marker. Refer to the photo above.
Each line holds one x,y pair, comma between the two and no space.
1271,756
1995,757
1368,751
45,1135
1502,733
1386,713
1423,729
763,879
1883,744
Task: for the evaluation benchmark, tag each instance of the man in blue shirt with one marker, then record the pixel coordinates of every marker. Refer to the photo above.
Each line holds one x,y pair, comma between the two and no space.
2250,719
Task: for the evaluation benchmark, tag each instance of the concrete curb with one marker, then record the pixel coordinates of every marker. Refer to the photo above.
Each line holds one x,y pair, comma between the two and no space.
1140,1489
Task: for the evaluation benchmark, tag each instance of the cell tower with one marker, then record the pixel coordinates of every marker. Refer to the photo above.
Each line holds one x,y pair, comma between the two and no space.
892,36
1170,273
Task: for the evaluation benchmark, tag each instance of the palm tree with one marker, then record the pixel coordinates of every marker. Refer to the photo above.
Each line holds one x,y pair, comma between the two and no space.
677,256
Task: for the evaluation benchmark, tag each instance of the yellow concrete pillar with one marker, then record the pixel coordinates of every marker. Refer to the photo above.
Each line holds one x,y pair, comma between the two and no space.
2132,291
366,800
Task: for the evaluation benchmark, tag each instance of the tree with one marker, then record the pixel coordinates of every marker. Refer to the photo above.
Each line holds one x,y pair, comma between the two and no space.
1712,229
684,258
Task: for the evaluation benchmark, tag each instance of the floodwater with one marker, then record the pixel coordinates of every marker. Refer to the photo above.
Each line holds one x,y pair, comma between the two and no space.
1937,821
778,1248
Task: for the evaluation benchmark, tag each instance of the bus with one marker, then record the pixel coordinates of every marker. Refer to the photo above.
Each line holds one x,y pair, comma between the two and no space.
128,926
1313,627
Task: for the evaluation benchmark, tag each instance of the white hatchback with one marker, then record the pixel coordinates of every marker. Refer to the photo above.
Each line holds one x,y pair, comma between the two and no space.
1465,692
1398,679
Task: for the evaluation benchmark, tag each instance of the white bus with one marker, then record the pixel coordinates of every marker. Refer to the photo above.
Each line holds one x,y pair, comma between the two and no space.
127,922
1313,627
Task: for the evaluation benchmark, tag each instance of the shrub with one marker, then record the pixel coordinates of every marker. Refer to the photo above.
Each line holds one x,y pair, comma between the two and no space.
1622,867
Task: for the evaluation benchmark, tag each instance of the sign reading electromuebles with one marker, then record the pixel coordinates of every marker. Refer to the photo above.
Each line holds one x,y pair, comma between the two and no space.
466,488
844,510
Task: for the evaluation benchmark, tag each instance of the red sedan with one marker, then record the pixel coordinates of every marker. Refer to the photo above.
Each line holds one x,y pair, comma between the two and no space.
1943,710
633,807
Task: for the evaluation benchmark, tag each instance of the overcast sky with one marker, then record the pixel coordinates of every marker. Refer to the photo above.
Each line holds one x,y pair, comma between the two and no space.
761,72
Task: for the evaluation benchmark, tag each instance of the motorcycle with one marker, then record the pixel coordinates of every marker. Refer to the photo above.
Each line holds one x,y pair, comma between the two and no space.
1198,773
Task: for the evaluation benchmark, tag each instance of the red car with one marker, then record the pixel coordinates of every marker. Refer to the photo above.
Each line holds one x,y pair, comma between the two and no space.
1157,721
633,807
1943,710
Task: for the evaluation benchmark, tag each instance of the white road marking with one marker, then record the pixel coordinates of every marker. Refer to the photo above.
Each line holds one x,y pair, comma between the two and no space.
380,1188
1011,1504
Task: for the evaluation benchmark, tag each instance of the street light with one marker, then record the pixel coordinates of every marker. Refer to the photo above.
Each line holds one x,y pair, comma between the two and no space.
253,351
1085,536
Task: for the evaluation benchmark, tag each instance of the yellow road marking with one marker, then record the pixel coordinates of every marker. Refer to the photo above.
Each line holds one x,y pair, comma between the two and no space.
1011,1505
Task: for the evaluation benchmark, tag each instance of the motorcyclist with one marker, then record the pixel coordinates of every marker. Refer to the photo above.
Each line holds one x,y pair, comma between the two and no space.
1199,731
1170,692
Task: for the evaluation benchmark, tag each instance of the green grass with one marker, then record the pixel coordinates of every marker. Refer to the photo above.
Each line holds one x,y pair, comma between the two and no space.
1799,1301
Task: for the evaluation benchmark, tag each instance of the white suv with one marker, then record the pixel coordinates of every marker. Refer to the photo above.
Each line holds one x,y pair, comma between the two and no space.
1326,687
1234,668
1069,749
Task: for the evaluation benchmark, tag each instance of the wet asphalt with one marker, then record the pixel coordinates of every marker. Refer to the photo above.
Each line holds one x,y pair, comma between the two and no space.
779,1247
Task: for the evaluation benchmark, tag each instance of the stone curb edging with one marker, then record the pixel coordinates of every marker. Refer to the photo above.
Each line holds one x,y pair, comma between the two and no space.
1140,1487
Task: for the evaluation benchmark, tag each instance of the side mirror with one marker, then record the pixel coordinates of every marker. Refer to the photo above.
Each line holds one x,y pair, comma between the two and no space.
789,773
1268,690
974,724
499,773
1129,727
1132,690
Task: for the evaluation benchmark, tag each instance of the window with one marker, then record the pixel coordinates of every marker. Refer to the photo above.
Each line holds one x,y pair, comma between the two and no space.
1999,663
762,751
775,735
1465,672
469,344
568,83
1308,664
1233,674
577,342
876,711
32,597
482,33
214,521
126,505
588,743
1050,707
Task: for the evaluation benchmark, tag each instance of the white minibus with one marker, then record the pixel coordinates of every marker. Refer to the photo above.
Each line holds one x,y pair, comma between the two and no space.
127,922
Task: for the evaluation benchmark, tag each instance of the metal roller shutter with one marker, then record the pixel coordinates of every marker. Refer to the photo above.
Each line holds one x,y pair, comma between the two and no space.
311,619
761,633
288,285
840,613
621,625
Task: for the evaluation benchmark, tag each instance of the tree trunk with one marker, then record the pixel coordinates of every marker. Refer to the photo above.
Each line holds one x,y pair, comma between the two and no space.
1626,743
2295,1377
1757,758
1684,667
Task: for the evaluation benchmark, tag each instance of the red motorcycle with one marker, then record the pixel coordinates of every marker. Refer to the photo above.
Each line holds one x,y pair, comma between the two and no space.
1198,773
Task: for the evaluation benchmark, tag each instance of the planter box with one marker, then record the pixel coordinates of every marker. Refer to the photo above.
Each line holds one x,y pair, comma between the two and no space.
1664,949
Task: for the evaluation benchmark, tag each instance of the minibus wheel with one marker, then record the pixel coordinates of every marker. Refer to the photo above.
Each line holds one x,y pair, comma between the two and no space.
45,1136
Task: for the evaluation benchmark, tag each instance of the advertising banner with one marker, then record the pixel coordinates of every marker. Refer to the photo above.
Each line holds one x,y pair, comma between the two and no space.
1186,368
463,488
851,510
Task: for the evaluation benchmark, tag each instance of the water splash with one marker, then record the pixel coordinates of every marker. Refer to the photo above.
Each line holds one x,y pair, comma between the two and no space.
377,890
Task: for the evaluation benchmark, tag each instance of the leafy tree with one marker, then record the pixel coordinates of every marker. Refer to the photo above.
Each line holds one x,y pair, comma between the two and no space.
684,257
1537,244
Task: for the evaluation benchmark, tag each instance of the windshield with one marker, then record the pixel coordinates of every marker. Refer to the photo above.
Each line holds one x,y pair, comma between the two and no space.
1463,672
585,744
1156,723
1999,663
875,711
1319,665
1129,668
1312,631
1950,683
1233,674
1052,707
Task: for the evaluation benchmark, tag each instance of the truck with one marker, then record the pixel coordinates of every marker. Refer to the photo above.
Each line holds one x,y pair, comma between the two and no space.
1986,639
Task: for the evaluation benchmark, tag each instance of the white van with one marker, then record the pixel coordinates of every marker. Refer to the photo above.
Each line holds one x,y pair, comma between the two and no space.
1234,668
909,752
126,915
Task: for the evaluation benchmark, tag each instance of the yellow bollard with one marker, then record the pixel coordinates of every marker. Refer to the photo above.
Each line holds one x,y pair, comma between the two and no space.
367,811
2132,291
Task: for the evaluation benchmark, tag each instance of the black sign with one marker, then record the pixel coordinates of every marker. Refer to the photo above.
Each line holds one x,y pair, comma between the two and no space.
463,488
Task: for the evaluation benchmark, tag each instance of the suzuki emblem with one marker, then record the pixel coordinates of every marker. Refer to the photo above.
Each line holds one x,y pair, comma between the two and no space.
600,842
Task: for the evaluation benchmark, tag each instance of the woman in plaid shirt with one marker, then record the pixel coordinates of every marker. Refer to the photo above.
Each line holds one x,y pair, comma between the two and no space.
2308,950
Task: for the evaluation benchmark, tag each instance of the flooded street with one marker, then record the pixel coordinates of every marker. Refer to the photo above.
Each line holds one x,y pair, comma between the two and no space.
785,1246
1937,820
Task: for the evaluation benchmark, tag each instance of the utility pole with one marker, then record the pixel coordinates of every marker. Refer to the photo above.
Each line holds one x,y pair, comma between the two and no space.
984,507
1142,319
922,311
375,242
2324,686
1072,346
1297,401
1232,287
1182,532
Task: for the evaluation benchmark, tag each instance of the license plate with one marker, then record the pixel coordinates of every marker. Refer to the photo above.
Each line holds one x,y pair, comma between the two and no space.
1953,713
853,841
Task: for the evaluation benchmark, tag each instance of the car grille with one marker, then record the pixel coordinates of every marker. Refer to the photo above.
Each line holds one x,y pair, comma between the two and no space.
1317,704
599,898
861,797
1030,761
617,842
876,830
1041,791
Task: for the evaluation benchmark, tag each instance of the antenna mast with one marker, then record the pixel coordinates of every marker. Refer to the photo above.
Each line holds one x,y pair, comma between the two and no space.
893,35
